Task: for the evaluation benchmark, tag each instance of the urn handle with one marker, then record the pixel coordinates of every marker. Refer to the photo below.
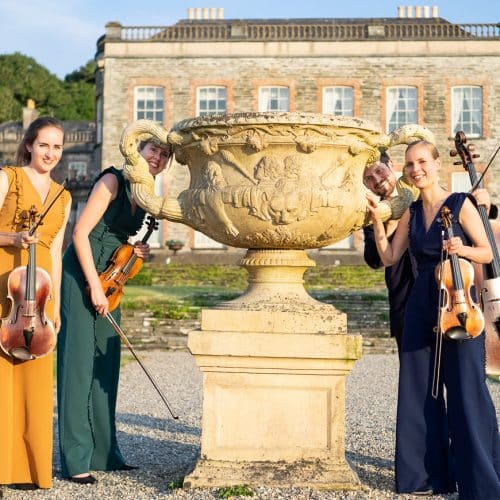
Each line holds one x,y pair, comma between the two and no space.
136,169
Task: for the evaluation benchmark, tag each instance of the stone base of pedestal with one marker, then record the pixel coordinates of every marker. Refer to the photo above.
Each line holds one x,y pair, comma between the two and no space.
273,408
318,474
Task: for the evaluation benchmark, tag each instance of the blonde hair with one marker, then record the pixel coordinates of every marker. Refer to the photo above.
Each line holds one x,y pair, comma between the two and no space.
429,145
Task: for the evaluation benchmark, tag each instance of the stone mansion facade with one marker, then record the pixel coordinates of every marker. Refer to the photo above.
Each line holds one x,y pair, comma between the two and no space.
414,68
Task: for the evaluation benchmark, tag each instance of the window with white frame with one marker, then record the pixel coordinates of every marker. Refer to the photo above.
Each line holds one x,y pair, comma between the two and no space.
401,107
211,100
460,182
202,241
274,99
338,100
149,103
77,170
345,244
467,110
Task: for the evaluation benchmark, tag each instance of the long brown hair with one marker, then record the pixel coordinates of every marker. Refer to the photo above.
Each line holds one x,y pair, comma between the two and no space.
23,156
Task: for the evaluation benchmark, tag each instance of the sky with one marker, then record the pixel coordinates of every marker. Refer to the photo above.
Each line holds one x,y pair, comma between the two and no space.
61,35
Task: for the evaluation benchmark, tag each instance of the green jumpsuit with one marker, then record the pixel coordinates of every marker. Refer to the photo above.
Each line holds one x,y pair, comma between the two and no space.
88,349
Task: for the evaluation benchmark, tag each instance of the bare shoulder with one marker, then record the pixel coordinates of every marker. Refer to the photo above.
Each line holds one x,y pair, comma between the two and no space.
106,185
468,208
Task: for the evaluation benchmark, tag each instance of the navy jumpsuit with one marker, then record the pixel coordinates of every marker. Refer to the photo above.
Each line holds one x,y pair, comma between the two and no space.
451,441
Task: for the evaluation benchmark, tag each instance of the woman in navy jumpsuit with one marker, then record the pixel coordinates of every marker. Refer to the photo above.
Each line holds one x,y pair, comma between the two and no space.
450,441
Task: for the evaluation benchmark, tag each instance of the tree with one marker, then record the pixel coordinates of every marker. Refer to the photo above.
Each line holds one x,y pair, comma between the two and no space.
80,85
9,106
22,78
86,73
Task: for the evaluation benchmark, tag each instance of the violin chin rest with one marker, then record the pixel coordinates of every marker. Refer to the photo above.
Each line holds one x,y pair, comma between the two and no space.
21,353
457,333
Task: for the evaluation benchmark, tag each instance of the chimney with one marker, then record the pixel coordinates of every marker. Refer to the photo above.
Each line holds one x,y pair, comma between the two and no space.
30,113
435,11
426,11
409,11
205,13
418,11
401,11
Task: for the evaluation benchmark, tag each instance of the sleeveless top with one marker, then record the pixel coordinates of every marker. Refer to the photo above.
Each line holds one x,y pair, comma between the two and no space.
425,245
115,226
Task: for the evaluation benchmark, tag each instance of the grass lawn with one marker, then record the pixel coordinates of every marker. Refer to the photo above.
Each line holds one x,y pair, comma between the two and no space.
179,291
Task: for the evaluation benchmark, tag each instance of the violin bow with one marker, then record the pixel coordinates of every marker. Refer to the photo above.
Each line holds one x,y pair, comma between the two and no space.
439,333
479,180
46,211
122,335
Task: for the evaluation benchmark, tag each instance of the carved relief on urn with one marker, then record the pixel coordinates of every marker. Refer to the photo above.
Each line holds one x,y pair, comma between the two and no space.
268,180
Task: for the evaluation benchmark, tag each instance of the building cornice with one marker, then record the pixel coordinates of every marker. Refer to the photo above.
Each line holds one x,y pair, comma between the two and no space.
380,48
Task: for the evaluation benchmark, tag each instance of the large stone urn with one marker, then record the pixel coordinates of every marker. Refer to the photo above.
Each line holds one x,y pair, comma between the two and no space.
274,360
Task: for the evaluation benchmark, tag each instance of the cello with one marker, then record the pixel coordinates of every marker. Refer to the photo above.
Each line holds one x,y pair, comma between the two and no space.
124,264
460,318
26,333
489,286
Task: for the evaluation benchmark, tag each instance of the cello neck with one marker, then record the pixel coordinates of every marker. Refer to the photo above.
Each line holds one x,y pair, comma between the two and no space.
491,270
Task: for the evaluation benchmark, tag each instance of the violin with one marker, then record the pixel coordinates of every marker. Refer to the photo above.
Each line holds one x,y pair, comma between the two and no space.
460,317
26,333
124,264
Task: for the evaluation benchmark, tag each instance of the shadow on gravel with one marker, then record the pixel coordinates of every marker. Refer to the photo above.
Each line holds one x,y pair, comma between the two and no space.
375,472
166,423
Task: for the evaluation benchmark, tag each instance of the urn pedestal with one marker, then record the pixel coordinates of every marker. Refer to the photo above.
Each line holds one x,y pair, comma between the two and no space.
274,363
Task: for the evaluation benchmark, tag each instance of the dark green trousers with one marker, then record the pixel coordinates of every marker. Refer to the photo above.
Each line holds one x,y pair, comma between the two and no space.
88,367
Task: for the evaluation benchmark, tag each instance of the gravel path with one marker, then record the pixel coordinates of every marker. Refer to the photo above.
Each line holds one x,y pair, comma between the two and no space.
166,450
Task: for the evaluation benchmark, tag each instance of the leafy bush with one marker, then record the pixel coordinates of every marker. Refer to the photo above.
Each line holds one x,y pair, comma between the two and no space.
235,491
143,278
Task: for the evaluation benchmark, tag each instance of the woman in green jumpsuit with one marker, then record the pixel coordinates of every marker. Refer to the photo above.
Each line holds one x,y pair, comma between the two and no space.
88,353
